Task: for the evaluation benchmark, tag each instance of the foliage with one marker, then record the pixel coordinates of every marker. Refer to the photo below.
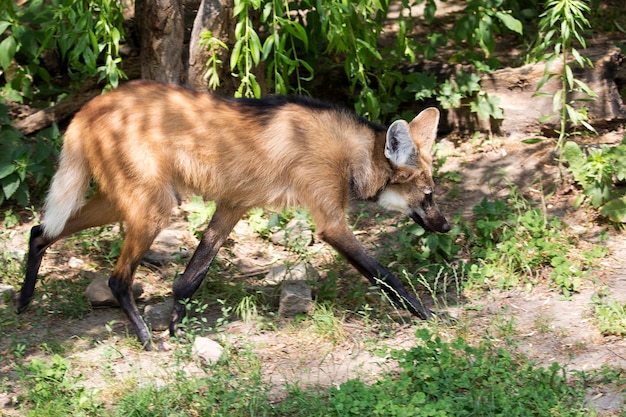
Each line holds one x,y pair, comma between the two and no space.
610,314
478,24
601,174
440,378
294,38
508,242
25,165
213,46
232,387
560,26
512,241
52,390
199,214
86,36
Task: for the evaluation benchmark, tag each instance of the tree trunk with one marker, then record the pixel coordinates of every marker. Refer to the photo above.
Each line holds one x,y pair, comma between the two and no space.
160,25
216,17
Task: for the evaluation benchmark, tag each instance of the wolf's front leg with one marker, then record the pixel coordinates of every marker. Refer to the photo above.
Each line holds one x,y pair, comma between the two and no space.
342,239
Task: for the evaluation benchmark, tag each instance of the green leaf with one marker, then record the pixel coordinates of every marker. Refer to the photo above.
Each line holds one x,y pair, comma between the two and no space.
4,25
10,185
7,50
510,22
532,141
234,56
615,210
370,48
6,170
573,154
268,45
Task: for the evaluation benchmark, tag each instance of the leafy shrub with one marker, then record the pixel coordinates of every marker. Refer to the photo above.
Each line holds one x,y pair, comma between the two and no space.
293,39
601,174
85,34
25,165
53,391
560,27
512,240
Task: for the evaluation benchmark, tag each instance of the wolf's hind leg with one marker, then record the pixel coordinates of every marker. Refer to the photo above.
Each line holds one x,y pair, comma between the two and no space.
97,211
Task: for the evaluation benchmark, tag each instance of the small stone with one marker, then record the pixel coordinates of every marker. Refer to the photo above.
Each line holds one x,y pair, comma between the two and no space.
295,298
15,254
7,293
99,294
158,315
299,272
75,262
206,349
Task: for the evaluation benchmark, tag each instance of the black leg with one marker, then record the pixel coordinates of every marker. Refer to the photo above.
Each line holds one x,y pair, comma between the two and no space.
123,294
349,247
185,286
36,249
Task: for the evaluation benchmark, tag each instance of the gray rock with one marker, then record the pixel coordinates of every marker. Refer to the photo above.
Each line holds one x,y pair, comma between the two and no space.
7,293
158,315
207,349
295,298
299,272
295,291
75,262
99,294
167,247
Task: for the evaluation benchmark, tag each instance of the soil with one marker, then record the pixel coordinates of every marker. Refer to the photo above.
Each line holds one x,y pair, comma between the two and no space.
537,321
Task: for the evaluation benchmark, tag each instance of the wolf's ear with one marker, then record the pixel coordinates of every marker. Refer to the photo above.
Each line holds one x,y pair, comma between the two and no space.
399,147
424,129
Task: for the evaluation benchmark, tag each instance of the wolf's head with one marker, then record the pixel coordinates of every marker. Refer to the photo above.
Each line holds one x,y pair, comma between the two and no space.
408,148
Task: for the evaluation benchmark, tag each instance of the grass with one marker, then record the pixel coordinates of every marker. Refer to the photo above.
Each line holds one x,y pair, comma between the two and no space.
438,376
609,314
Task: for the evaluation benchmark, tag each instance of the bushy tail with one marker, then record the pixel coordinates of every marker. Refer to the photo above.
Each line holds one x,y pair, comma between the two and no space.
69,184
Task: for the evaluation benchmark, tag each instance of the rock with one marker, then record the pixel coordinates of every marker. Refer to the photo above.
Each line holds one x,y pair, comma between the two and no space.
158,315
75,262
295,233
525,112
15,254
206,349
295,294
6,294
295,298
167,247
299,272
99,294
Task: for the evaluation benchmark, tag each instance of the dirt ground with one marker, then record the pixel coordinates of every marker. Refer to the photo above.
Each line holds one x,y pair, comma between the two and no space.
542,323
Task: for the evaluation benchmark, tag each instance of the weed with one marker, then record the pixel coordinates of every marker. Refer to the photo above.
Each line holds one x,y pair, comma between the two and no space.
200,213
610,314
326,325
601,174
513,241
52,389
560,26
230,387
543,322
247,308
440,378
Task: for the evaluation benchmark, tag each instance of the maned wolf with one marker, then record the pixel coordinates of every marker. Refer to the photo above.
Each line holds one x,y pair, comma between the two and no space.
147,144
